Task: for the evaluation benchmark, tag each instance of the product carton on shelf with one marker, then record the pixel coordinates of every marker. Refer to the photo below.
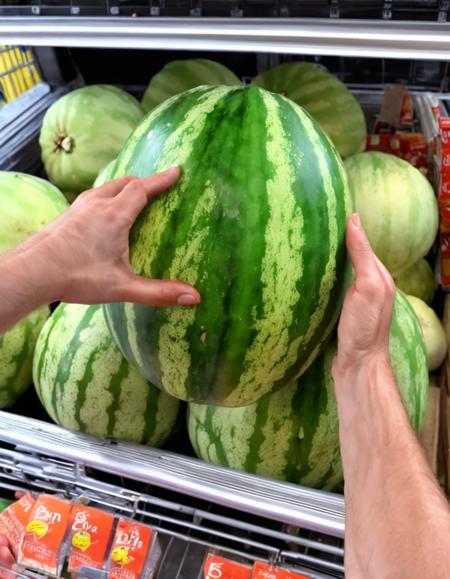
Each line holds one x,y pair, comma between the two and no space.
219,567
90,538
43,544
14,519
135,551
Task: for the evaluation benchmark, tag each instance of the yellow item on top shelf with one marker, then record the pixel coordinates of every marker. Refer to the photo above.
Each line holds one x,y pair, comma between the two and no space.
18,72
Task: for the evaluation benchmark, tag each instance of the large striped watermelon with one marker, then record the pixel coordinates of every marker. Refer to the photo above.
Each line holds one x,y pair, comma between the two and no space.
325,97
16,355
293,434
85,384
83,131
397,205
27,204
181,75
256,223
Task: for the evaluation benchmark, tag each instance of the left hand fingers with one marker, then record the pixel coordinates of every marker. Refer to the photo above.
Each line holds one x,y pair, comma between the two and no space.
135,196
110,189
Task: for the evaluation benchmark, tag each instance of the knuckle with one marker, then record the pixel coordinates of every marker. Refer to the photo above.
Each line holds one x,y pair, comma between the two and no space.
111,213
135,185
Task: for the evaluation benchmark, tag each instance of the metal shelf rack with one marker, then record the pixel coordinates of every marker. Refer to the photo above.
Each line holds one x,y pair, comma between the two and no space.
244,516
357,38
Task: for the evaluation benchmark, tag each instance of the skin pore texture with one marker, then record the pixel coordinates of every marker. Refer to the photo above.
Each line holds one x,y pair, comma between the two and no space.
397,519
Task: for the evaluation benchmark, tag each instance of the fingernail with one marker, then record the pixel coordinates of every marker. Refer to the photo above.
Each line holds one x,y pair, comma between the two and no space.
356,221
187,300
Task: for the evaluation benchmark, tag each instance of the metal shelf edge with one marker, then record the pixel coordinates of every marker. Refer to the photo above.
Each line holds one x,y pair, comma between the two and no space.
390,39
288,503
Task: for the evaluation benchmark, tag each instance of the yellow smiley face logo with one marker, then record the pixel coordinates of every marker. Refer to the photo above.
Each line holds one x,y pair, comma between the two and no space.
81,540
39,528
120,555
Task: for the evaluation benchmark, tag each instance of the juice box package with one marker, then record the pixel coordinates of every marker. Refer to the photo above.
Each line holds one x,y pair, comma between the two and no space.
43,542
217,567
266,571
90,537
131,554
14,519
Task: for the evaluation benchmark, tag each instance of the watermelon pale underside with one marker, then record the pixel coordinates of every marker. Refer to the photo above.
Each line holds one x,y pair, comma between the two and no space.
293,434
256,223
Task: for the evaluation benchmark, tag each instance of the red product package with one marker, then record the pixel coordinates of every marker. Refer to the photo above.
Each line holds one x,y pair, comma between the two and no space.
90,536
411,147
267,571
14,519
445,260
43,542
217,567
407,112
130,550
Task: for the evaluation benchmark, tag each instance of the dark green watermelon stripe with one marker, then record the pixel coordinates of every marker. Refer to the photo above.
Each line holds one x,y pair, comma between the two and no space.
215,438
66,362
115,387
254,444
152,416
43,347
18,361
116,329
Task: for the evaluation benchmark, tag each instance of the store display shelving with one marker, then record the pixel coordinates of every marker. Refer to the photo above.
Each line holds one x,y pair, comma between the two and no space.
362,38
197,506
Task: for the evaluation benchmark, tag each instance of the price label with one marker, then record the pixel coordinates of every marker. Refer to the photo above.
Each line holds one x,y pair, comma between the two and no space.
266,571
221,568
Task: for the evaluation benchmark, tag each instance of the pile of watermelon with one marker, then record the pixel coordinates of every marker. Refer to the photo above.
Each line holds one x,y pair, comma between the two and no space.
257,224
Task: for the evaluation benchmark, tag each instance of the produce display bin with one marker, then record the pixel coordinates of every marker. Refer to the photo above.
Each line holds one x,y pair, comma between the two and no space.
198,507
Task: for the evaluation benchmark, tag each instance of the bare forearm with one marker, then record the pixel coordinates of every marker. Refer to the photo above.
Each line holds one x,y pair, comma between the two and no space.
389,484
23,286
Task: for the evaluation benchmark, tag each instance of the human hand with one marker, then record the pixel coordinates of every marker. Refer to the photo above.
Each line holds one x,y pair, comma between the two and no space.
6,557
85,250
364,325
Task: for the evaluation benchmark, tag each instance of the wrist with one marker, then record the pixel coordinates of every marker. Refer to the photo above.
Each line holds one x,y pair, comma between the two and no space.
372,419
346,369
35,274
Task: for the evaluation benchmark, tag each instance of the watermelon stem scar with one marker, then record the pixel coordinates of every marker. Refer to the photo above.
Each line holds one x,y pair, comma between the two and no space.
64,142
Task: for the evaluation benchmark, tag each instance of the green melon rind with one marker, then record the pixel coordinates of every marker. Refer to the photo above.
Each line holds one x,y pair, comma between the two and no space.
293,434
98,119
27,204
325,97
272,287
16,355
85,384
104,175
418,280
397,206
181,75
